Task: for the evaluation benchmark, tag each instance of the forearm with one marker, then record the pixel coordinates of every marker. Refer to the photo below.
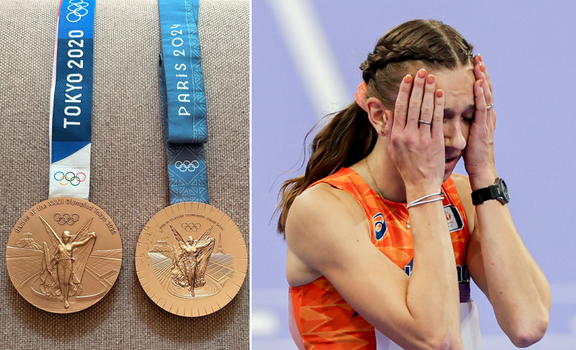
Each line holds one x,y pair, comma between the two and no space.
516,286
433,295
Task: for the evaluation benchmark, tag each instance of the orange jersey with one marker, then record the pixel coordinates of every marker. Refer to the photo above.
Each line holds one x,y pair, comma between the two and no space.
323,318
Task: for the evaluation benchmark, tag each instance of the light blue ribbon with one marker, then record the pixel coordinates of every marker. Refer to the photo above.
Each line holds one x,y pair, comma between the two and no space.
183,101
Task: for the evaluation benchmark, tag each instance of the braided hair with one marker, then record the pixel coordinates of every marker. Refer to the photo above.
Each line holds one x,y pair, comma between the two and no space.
349,137
413,44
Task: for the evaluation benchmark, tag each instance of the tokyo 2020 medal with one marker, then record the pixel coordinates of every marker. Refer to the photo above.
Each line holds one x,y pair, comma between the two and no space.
64,254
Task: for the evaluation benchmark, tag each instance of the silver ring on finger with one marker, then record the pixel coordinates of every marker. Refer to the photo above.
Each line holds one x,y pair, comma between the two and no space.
420,121
490,107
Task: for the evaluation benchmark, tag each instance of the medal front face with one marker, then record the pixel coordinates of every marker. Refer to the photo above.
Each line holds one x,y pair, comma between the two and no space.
64,254
191,259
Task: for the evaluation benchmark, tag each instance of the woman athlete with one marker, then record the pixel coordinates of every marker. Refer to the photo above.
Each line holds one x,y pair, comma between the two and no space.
365,271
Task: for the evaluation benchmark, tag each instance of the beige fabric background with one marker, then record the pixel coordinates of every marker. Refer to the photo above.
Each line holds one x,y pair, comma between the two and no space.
129,179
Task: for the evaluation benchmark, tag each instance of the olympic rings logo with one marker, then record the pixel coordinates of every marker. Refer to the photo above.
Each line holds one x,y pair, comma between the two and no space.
187,165
69,178
191,226
78,9
66,218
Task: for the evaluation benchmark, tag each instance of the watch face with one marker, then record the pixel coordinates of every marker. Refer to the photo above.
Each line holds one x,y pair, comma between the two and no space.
505,196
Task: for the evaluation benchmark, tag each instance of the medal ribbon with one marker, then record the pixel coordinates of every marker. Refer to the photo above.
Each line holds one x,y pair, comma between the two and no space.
71,100
183,101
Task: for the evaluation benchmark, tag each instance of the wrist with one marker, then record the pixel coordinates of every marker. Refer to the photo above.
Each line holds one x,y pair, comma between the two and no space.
415,192
483,179
429,198
498,191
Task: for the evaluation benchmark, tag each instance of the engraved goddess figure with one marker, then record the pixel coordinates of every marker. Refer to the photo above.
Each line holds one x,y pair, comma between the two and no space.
64,263
190,264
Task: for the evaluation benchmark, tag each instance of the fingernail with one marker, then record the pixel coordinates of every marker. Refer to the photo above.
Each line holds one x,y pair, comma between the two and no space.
482,67
480,57
430,79
408,79
439,93
422,73
481,82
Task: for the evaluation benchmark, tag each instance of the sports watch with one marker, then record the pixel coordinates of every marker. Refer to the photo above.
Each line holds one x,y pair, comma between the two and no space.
498,191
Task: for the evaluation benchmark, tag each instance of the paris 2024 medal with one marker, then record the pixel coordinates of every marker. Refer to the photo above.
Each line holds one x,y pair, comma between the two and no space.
64,255
191,259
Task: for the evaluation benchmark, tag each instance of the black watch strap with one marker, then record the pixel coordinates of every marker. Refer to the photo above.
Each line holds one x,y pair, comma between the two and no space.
482,195
498,191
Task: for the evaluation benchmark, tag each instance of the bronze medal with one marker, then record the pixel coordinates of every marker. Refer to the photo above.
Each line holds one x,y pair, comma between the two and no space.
64,254
191,259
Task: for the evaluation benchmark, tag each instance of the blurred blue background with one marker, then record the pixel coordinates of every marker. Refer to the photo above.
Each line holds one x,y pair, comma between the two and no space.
305,58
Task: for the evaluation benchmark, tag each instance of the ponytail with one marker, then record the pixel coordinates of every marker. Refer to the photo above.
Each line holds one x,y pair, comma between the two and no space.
345,140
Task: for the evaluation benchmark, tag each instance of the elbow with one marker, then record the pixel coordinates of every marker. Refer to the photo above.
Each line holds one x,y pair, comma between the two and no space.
439,345
440,341
442,344
529,332
426,339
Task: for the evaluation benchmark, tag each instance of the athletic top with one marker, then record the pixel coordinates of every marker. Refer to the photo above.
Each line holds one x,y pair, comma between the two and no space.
321,319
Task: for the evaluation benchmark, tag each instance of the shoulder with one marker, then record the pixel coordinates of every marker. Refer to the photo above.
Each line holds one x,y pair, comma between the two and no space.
319,207
323,192
322,221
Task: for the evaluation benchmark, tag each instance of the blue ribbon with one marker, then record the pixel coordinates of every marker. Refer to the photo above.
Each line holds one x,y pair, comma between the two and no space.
71,123
183,101
72,118
183,72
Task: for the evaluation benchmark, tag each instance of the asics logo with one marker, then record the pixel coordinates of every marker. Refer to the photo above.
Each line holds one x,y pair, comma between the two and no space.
69,178
66,218
379,226
187,165
78,9
191,226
